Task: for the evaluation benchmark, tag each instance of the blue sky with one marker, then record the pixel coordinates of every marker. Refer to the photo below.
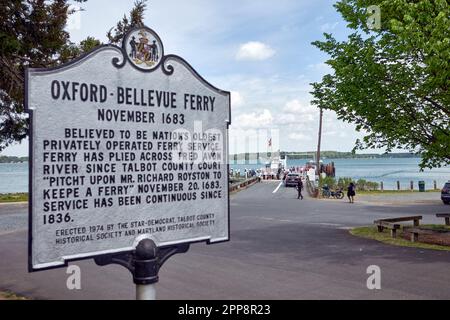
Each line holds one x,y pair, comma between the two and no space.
259,50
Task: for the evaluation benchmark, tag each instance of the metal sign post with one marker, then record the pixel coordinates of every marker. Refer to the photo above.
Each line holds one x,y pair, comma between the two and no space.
128,159
144,264
145,292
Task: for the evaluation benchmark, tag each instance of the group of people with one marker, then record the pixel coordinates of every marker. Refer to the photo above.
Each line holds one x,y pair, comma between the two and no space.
351,191
296,169
248,173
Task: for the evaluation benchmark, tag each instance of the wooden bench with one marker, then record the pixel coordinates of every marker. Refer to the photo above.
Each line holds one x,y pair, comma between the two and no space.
381,225
390,223
415,232
446,216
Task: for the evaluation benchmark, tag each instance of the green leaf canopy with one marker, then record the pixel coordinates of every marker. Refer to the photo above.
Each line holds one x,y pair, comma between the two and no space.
392,82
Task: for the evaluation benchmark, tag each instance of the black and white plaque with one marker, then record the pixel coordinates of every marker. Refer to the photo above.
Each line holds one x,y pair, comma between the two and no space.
126,143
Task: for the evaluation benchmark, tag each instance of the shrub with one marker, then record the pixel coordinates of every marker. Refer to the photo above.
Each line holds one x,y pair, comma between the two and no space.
361,184
364,185
329,181
343,182
371,185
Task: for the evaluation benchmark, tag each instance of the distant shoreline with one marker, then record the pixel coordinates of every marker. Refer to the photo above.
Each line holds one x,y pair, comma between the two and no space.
323,154
290,154
13,159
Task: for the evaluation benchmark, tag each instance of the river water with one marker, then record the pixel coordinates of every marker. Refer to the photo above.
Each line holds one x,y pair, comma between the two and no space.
386,170
14,176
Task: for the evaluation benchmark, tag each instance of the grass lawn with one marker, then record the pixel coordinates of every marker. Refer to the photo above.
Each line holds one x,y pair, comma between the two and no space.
6,295
13,197
371,232
374,192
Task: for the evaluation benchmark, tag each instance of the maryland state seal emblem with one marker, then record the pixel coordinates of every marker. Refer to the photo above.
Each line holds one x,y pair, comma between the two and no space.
144,48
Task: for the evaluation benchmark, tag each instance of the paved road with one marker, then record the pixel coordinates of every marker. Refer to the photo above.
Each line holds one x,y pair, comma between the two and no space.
13,217
280,248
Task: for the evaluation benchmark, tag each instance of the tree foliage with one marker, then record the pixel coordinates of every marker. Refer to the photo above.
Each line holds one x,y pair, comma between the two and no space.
136,19
393,82
32,34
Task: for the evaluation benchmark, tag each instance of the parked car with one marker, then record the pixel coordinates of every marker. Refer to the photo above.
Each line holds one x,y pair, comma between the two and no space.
445,193
291,179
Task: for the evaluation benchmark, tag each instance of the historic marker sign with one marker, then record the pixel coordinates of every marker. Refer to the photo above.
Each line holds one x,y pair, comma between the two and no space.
126,143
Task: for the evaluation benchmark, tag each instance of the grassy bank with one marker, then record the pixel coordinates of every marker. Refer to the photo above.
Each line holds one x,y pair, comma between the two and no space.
375,192
371,232
13,197
7,295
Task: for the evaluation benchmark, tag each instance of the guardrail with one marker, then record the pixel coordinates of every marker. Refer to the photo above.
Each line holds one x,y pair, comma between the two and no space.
243,184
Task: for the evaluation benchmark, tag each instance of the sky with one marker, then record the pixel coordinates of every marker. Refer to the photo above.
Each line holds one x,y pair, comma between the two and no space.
259,50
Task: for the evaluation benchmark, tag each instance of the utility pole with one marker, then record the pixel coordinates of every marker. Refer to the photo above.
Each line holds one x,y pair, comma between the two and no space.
318,143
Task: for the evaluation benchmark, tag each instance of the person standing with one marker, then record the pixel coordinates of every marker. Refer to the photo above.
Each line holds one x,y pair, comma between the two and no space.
154,55
133,45
351,192
300,188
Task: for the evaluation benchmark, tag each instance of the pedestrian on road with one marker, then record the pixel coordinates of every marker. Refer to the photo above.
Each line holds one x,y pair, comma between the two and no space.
299,188
351,192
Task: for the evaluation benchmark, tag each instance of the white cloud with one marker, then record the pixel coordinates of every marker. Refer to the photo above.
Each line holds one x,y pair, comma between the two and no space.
297,122
236,99
293,106
254,120
321,68
328,26
264,92
296,119
298,107
298,136
254,50
297,113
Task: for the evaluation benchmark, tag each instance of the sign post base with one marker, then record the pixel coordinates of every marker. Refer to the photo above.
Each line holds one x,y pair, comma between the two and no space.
145,292
144,264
